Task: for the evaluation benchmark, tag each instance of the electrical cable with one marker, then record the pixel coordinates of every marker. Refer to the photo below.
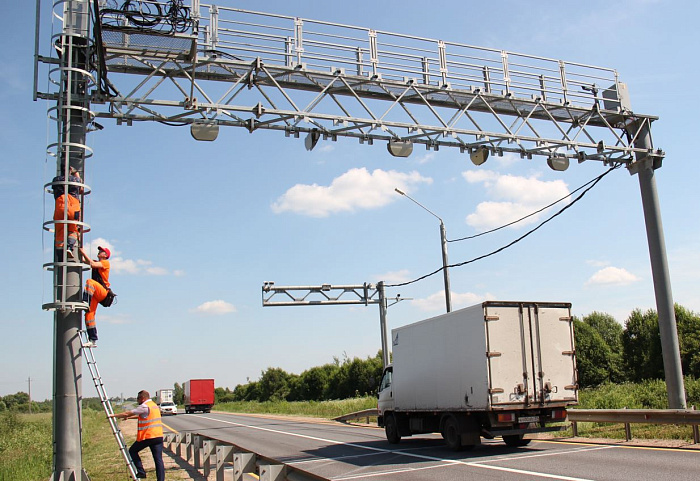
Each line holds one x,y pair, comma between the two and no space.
594,182
524,217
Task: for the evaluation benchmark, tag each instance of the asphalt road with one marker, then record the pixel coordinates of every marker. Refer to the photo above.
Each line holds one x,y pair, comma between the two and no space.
341,452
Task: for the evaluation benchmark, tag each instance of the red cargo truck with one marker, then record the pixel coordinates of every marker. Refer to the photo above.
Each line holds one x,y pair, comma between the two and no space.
199,395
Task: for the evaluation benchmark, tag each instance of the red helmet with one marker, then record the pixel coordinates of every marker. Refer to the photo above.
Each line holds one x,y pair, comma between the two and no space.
105,250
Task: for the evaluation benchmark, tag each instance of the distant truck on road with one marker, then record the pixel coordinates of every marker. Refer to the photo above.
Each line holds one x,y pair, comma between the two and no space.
165,395
199,395
494,369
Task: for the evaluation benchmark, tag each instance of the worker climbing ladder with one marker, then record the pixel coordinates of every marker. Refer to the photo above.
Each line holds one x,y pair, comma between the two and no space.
89,354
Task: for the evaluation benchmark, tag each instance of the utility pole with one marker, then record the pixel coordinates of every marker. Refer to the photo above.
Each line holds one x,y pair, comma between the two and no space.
443,246
29,382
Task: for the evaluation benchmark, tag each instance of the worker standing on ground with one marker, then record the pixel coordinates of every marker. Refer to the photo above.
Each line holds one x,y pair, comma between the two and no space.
149,434
96,289
66,208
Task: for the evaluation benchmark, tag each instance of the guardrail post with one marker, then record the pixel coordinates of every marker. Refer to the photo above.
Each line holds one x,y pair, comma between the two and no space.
696,431
188,447
197,448
224,458
628,432
273,472
178,445
243,463
167,440
574,429
209,453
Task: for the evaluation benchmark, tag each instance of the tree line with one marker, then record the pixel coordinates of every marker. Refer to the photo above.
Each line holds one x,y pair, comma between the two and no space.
606,352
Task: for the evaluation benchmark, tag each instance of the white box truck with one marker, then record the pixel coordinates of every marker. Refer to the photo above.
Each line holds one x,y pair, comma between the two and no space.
494,369
165,395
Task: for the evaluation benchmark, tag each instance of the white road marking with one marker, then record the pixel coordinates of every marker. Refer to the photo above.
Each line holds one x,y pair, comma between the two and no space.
447,462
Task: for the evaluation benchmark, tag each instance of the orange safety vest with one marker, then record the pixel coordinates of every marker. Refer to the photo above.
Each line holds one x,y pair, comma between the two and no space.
151,427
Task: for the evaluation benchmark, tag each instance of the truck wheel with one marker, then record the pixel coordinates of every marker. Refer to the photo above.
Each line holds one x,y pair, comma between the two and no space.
515,440
451,434
391,428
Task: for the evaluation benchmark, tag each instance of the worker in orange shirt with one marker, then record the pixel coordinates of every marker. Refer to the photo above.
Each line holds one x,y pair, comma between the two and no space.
95,289
148,435
66,208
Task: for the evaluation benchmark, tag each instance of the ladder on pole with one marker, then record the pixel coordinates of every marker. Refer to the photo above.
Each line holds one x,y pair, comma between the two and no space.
106,404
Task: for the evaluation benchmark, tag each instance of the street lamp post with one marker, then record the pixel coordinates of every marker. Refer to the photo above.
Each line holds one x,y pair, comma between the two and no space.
443,244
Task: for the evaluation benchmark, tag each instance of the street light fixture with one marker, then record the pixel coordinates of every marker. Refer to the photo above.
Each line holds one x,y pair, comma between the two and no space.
443,243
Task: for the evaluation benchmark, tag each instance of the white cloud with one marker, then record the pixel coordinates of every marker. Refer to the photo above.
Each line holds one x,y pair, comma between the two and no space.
436,302
215,308
120,265
355,189
428,157
596,263
394,277
612,276
325,148
512,197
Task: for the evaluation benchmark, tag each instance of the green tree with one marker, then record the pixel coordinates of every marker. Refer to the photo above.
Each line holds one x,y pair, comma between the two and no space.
642,346
178,394
642,343
594,359
274,384
611,333
688,324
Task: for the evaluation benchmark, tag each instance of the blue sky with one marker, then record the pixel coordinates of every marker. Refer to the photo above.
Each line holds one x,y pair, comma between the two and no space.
196,228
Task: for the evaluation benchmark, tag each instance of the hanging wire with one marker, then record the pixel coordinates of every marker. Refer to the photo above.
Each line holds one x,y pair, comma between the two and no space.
595,179
500,249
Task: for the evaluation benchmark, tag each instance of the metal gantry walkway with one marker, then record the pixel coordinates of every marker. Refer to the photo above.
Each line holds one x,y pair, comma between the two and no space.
266,71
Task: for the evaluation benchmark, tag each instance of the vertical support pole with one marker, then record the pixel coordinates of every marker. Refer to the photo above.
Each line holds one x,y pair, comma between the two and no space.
299,39
445,263
382,323
214,27
373,52
659,270
68,360
442,52
506,73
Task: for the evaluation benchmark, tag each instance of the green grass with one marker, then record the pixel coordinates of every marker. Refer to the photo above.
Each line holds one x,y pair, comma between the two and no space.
25,446
319,409
102,459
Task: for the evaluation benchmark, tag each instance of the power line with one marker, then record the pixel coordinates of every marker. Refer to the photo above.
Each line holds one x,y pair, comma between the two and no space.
593,184
532,213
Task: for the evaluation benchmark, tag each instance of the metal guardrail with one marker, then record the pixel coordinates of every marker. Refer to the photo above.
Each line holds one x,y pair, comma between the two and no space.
622,416
230,461
367,413
636,416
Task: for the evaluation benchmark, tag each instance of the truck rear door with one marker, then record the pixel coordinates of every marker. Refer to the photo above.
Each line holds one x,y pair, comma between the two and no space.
530,353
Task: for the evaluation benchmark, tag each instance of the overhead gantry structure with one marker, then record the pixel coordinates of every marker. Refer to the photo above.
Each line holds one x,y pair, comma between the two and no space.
205,66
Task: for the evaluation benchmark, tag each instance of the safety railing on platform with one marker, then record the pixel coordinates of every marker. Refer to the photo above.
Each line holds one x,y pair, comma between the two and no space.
206,453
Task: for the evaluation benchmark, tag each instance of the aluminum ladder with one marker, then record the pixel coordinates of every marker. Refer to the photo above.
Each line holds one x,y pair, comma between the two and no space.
106,404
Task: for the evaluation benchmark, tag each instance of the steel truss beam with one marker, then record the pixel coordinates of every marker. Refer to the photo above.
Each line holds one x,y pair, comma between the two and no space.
263,71
324,294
